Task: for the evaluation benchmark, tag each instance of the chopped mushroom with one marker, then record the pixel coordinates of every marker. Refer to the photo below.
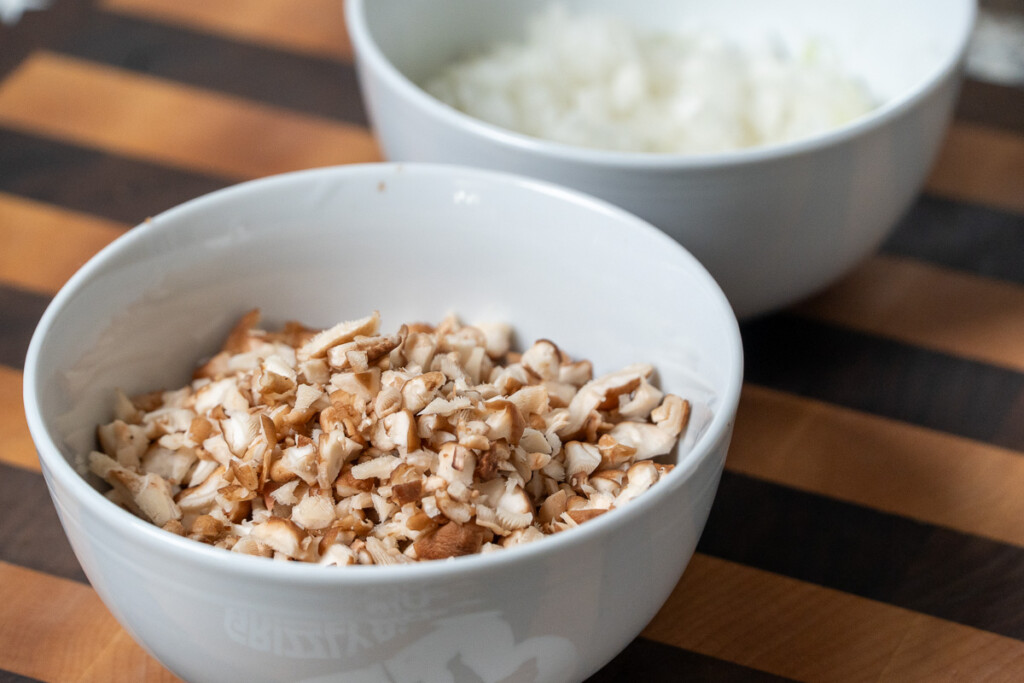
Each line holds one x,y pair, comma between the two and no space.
345,446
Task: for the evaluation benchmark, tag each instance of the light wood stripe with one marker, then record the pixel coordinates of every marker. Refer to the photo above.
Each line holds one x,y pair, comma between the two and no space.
45,245
18,449
91,645
929,307
981,165
315,27
171,124
810,633
884,464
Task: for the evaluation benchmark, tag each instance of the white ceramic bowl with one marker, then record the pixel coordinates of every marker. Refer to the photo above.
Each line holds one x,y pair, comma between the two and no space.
415,242
772,224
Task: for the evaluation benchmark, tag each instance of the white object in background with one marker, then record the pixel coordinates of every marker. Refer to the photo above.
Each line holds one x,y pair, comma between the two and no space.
11,10
772,224
996,52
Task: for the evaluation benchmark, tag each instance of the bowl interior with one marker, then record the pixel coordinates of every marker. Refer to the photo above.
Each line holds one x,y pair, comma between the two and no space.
895,48
415,242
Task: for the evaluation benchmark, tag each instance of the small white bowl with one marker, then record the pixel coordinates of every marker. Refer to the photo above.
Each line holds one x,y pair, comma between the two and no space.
772,224
415,242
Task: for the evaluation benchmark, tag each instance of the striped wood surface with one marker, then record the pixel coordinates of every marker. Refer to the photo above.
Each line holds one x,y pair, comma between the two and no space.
869,522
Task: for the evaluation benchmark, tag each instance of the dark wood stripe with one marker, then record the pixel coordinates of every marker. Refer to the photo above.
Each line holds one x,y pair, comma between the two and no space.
21,313
936,571
304,83
94,182
40,29
649,660
885,377
990,104
31,535
983,241
11,677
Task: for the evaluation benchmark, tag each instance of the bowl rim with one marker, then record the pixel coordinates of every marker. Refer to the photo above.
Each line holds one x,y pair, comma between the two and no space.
57,467
367,50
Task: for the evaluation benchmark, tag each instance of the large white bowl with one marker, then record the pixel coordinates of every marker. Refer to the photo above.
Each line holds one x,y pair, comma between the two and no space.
415,242
772,224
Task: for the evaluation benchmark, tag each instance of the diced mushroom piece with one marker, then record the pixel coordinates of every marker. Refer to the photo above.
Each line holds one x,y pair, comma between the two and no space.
346,485
504,421
199,498
218,449
419,391
202,469
335,449
239,429
419,349
576,373
382,506
125,442
167,420
300,460
586,514
510,379
531,400
450,540
383,554
284,494
477,366
199,429
341,333
456,463
598,392
363,385
647,439
672,415
150,494
543,359
652,440
441,406
376,468
387,401
552,507
337,555
125,410
452,508
514,510
580,460
309,400
402,430
472,433
172,465
363,351
314,512
282,535
533,441
614,453
249,545
522,536
314,371
238,338
497,338
222,393
607,481
275,381
639,477
207,529
645,399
